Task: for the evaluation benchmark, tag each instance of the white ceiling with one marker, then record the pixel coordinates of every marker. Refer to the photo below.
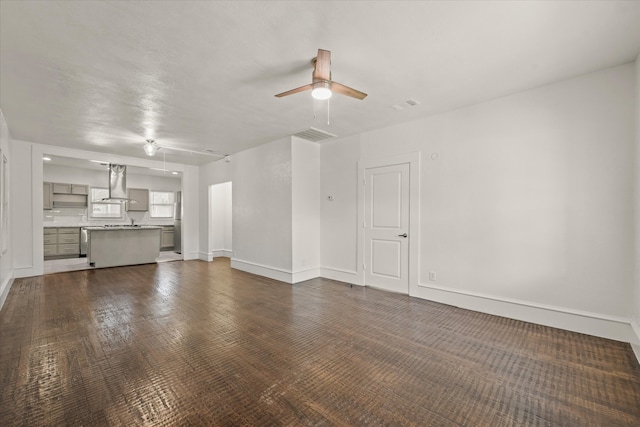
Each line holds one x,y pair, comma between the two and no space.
106,75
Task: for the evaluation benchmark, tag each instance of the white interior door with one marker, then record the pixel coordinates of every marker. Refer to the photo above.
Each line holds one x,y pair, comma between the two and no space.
386,228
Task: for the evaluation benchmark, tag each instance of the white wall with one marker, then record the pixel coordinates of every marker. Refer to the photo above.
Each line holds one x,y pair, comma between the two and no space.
6,259
23,211
339,178
220,220
190,213
525,207
262,207
72,175
635,342
275,208
305,202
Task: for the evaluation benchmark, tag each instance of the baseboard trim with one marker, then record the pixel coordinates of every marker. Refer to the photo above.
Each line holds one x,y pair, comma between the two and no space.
611,327
347,276
262,270
205,256
20,272
191,255
302,275
635,339
4,290
287,276
215,253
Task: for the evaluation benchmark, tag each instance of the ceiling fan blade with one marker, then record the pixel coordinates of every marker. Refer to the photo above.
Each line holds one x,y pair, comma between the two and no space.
296,90
322,70
346,90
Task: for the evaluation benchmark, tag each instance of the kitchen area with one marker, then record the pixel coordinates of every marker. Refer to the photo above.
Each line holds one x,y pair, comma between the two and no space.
97,214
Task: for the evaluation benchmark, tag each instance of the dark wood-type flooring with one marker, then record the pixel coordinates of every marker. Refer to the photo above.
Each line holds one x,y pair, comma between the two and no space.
195,343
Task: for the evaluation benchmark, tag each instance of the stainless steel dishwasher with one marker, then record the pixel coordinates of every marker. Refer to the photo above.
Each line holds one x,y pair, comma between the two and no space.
84,241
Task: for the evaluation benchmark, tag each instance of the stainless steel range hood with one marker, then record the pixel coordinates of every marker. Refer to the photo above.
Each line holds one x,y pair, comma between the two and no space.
117,184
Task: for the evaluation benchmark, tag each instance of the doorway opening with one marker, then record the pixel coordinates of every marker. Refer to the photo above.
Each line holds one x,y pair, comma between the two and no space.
220,221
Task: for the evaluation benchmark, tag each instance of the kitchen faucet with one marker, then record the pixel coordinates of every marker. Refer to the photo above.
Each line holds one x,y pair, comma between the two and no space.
131,221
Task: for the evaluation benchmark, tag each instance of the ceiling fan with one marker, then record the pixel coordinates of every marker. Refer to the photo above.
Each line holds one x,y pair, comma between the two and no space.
322,86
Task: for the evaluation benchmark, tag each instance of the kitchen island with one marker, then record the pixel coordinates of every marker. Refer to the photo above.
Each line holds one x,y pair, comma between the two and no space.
122,245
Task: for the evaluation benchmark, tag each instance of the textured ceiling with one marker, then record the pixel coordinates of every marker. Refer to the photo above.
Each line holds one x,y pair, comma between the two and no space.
104,76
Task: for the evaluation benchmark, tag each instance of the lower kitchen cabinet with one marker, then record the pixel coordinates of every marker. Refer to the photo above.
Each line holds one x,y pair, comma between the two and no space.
61,242
166,238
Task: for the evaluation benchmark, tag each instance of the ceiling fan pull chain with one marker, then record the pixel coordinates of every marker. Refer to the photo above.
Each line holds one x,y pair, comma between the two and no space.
328,103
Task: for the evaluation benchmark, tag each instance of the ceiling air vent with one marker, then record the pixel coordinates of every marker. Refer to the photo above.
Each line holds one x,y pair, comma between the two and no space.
313,134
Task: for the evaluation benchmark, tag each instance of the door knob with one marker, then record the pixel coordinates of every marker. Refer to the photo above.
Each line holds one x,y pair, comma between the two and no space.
402,235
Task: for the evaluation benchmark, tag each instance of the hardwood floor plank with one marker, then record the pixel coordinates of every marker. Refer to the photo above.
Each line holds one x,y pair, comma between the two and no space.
195,343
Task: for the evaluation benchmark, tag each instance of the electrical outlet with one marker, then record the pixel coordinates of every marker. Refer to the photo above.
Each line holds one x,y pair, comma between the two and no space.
432,276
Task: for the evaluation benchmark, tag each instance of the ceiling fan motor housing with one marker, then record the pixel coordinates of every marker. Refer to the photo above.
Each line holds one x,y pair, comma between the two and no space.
321,85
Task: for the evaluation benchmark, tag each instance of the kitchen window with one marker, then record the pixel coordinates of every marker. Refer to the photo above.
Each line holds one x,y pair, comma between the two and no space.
102,209
161,205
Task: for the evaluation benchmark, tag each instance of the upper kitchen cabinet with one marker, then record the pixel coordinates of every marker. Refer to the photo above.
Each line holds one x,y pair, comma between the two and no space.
139,199
47,194
64,195
70,189
80,189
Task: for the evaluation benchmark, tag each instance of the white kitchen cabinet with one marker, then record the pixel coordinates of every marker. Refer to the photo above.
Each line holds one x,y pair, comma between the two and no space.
141,198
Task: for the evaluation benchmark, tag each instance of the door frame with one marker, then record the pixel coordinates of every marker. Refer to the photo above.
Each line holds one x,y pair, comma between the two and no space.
413,159
214,252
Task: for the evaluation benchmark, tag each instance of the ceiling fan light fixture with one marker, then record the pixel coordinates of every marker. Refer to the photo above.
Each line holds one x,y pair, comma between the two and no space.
151,148
321,90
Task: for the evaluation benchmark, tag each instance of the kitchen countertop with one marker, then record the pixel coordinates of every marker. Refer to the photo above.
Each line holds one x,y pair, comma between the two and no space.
86,225
124,227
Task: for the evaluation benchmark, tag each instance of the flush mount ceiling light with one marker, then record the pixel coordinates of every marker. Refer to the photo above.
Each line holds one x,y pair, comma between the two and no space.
151,148
321,90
